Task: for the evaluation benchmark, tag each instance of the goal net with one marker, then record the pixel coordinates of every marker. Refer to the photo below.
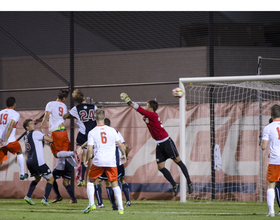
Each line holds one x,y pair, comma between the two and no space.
221,122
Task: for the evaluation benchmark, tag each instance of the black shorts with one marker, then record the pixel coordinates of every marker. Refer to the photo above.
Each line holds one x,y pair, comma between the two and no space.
66,173
81,139
166,150
34,170
121,173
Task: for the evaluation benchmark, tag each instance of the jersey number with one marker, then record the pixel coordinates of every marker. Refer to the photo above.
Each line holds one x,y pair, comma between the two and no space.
278,133
60,109
103,137
86,117
3,119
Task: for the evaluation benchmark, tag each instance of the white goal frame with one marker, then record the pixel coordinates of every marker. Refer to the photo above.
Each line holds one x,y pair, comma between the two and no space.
182,105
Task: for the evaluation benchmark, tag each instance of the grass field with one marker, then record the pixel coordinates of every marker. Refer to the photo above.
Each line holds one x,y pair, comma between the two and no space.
13,209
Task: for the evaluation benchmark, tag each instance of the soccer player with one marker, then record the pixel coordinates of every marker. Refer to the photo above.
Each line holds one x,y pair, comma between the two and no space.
121,175
165,146
8,122
35,160
84,113
61,147
271,138
103,139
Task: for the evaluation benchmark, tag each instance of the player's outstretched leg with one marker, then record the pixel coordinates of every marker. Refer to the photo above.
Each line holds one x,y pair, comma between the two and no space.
186,174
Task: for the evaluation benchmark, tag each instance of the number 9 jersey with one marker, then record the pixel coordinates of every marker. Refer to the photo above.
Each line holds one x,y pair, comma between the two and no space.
57,109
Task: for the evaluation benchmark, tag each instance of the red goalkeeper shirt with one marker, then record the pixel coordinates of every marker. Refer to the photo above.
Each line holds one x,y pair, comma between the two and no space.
154,124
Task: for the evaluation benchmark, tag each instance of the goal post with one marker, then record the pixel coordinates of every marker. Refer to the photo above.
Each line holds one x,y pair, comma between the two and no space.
229,93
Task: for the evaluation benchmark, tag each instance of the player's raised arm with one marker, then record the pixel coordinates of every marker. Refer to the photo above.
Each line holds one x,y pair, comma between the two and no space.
45,120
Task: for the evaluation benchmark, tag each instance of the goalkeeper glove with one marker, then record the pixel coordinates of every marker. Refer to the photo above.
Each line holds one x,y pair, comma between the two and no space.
125,97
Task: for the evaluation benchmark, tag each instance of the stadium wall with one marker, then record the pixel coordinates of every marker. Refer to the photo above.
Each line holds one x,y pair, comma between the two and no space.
238,180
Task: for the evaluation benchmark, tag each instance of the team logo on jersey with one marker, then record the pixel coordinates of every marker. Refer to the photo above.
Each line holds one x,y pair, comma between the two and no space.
85,107
146,120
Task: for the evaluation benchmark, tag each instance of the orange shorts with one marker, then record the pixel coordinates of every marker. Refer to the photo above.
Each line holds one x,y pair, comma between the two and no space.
60,142
111,172
273,173
13,147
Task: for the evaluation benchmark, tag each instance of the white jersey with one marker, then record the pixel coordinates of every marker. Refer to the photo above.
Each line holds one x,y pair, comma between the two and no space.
57,109
271,133
6,115
103,138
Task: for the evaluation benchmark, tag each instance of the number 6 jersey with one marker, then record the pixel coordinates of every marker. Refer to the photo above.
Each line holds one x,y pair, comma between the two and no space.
103,138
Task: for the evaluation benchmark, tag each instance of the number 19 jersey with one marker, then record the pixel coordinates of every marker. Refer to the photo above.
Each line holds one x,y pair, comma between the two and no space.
6,115
103,138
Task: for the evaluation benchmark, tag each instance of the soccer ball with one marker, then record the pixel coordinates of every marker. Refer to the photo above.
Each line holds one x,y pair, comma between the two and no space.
177,92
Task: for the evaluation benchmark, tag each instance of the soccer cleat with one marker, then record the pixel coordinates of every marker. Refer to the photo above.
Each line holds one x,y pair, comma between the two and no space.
22,177
270,214
57,200
89,208
81,183
100,206
28,200
120,212
190,187
45,202
128,203
72,201
78,176
278,213
176,189
114,208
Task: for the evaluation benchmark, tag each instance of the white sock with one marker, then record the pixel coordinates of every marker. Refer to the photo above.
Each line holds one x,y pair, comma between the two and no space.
90,193
118,195
270,199
20,160
65,154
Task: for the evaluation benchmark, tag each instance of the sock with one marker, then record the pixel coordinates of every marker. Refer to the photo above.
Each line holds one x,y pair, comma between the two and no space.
65,154
118,194
98,194
277,192
168,176
270,199
126,190
185,171
70,192
83,171
90,193
31,189
20,160
55,189
111,196
48,190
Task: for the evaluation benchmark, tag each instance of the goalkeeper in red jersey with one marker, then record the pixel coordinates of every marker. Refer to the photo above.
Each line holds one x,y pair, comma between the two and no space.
165,146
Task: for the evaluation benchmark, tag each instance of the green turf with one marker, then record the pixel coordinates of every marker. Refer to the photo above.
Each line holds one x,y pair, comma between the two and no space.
13,209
